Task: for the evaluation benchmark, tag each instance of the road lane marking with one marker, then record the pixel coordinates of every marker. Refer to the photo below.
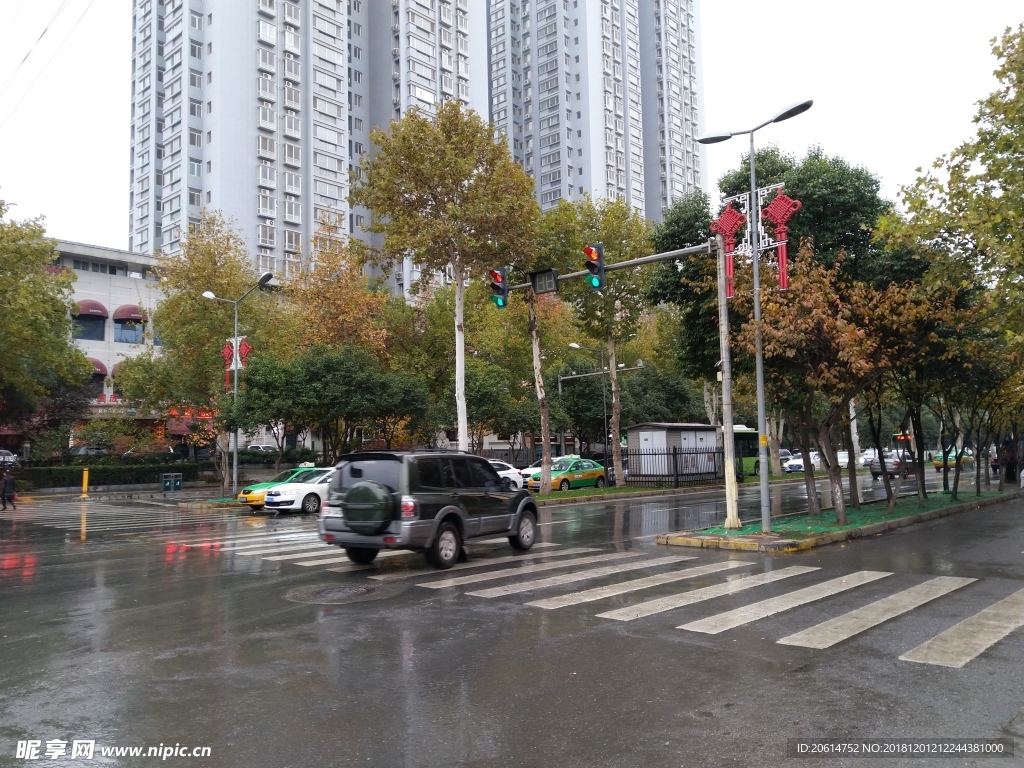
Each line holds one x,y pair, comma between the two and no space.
599,593
569,578
272,549
402,575
505,573
964,641
755,611
344,558
639,611
833,631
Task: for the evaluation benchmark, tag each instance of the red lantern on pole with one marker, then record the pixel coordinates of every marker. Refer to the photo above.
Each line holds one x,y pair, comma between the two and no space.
778,212
727,225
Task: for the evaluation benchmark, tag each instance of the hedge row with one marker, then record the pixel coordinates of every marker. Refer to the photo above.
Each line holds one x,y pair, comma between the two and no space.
63,477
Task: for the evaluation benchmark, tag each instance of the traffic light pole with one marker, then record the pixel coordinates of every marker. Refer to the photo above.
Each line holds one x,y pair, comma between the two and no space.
693,250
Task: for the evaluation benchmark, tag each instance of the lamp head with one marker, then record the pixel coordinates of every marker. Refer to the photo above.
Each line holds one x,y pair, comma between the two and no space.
209,295
265,278
713,138
793,110
574,345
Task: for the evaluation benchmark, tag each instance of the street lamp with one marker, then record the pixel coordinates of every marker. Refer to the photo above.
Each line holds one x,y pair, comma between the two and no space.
753,224
265,278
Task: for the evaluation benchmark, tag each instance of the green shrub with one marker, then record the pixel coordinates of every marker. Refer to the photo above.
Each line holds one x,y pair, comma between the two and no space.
128,474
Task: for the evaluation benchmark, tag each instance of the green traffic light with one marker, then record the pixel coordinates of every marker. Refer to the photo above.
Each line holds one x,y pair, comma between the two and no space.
595,281
499,301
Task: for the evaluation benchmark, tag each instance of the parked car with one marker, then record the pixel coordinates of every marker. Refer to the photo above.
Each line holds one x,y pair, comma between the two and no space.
527,473
901,464
8,459
261,448
426,502
967,460
572,473
784,456
88,450
507,470
306,492
796,463
254,495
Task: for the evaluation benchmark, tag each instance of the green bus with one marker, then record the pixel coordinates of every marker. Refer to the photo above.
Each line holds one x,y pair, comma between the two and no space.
746,449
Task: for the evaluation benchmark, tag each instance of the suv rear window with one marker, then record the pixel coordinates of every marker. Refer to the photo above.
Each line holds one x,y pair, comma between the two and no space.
386,472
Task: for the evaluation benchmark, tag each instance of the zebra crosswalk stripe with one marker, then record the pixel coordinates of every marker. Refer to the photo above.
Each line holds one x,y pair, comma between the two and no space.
285,553
668,603
505,573
622,588
833,631
531,556
712,625
569,578
964,641
270,549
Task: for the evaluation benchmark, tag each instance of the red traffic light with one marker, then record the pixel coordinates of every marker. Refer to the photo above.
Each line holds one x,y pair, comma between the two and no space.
497,276
591,253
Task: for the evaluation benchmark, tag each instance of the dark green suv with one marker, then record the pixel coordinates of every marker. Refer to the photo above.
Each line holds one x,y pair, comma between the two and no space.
426,502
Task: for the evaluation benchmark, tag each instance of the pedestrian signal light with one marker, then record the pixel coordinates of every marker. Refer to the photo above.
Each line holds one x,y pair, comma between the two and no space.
499,288
595,266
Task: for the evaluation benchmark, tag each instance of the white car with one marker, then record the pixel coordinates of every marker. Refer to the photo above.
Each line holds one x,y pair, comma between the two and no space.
306,496
796,464
507,470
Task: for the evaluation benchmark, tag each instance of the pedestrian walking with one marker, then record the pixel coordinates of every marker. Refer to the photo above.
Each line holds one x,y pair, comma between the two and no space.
7,489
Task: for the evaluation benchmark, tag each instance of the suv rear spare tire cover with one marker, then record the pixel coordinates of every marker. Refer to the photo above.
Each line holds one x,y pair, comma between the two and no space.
367,508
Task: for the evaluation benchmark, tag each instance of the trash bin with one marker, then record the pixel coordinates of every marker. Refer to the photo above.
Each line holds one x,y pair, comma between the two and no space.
171,481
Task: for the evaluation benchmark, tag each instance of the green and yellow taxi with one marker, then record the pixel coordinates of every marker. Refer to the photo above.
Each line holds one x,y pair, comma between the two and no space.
966,461
255,495
572,473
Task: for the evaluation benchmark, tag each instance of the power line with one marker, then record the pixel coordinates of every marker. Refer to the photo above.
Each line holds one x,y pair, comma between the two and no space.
17,69
14,18
39,74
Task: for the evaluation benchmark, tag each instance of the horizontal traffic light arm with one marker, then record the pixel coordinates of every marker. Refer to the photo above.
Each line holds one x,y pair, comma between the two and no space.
693,250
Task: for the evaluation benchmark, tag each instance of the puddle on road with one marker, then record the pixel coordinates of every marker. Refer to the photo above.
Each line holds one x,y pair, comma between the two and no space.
343,594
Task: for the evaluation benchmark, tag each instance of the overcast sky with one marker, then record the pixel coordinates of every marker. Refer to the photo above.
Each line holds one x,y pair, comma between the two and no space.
895,83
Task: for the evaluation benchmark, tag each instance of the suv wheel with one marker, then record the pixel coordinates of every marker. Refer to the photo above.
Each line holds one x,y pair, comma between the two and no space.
444,552
525,533
311,504
361,555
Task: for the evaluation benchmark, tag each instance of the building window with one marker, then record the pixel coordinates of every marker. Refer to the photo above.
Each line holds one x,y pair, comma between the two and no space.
195,107
196,20
89,327
195,197
195,49
129,331
195,137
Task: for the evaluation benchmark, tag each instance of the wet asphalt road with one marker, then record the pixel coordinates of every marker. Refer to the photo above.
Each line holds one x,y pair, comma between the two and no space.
172,627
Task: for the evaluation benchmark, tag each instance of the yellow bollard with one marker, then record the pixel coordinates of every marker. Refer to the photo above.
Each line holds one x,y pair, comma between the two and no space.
85,484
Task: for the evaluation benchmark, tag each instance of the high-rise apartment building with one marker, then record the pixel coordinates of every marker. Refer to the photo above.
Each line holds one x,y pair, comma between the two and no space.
261,108
599,97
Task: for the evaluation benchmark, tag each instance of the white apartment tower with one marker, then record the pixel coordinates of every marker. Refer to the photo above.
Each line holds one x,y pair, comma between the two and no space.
260,108
599,97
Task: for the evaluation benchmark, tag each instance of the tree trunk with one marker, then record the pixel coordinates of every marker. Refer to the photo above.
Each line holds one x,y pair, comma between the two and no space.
712,403
775,423
915,421
956,475
835,473
852,465
854,433
542,398
813,502
460,357
613,376
876,438
225,462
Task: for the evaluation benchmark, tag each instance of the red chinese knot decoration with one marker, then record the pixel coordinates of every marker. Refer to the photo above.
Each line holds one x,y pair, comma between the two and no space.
778,213
228,353
727,225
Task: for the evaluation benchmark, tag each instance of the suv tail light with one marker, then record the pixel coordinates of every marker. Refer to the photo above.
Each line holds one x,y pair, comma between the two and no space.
409,507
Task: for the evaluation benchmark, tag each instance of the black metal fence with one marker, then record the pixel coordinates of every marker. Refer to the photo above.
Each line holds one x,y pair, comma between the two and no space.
673,467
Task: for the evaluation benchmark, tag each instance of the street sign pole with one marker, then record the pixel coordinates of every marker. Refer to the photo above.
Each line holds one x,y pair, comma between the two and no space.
732,516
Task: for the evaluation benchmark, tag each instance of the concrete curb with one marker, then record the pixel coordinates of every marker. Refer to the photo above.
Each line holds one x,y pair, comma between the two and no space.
200,505
774,544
